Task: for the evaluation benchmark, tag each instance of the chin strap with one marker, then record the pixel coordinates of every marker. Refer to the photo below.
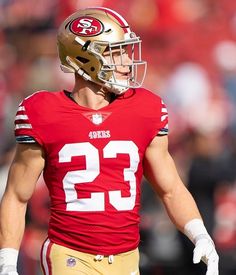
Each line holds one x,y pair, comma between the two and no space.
75,69
114,88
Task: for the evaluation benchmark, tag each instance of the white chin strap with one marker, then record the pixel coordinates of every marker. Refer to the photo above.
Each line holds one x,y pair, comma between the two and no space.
119,88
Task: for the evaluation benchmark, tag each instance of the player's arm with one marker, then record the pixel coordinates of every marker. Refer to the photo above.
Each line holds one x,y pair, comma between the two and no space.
160,171
24,172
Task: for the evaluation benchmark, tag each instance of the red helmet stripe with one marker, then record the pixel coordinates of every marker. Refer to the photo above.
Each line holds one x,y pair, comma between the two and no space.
117,16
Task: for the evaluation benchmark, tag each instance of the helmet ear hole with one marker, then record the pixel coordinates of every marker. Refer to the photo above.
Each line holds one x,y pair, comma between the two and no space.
82,59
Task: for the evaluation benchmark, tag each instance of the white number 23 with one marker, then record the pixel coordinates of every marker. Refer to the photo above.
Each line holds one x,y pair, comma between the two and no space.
97,200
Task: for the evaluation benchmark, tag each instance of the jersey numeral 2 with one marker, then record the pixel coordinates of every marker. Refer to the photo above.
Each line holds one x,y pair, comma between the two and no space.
97,200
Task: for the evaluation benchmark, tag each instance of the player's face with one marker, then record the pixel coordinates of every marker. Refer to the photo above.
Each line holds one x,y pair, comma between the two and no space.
121,59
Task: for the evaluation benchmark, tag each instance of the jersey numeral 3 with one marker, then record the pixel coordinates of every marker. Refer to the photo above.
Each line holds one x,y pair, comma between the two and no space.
97,200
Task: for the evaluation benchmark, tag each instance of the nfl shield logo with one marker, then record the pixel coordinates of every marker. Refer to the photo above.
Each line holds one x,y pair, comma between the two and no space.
97,119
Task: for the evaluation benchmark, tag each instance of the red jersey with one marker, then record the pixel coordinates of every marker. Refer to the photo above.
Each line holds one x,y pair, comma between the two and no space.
93,166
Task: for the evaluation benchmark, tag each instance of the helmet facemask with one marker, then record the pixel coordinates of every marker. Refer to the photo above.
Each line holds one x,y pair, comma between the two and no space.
128,58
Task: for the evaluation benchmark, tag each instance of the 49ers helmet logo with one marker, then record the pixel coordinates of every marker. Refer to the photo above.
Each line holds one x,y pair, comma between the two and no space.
86,26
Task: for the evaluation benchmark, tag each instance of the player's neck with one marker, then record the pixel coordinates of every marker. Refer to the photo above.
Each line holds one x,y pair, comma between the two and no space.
90,95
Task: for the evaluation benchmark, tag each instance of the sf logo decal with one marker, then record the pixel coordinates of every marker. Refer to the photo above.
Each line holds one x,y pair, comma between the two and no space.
86,26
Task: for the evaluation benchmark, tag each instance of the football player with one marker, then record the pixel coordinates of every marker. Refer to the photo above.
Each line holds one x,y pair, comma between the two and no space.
93,145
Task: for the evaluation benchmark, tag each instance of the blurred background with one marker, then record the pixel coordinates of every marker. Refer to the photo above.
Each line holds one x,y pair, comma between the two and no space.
190,46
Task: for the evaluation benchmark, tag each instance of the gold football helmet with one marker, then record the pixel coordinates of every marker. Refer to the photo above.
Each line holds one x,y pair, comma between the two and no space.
84,37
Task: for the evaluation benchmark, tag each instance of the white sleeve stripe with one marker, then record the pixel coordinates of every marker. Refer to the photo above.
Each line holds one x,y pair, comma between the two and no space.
164,110
21,108
23,126
163,117
22,117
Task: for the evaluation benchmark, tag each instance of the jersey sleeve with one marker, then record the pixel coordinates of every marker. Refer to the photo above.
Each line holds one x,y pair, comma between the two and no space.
163,126
24,129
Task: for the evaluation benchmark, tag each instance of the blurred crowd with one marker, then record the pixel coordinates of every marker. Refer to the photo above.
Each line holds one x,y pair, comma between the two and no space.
190,46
